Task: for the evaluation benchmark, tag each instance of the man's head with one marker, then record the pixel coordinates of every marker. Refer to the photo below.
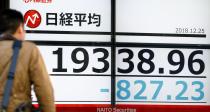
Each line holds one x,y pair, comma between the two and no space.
12,23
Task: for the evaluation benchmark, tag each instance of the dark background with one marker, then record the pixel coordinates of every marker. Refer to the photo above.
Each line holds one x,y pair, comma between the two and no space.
4,4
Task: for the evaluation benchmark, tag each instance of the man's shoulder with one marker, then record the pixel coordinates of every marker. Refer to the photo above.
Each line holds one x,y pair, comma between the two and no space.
25,44
28,44
29,47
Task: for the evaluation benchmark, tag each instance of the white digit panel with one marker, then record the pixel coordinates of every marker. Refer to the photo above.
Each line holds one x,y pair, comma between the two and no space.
81,89
51,59
163,60
165,84
67,37
162,91
163,16
59,7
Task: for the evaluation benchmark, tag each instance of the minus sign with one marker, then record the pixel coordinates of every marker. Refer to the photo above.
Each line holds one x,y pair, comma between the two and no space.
104,90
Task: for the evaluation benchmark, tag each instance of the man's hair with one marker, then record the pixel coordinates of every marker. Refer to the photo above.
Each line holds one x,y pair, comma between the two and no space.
10,20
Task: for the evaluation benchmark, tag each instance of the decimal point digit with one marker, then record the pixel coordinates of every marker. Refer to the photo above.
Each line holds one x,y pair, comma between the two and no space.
161,70
168,97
